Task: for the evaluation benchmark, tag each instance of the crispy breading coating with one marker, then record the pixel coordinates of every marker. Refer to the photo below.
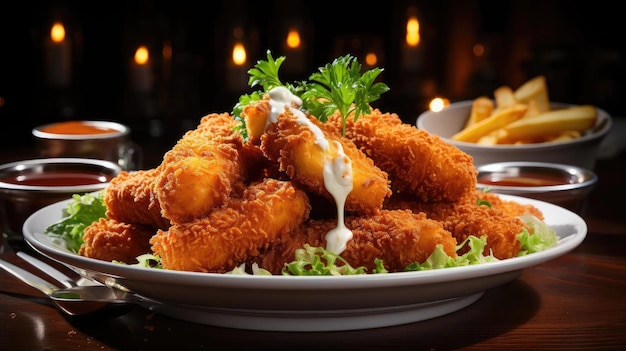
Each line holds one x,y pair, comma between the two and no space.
418,163
398,237
130,198
198,173
465,217
293,145
236,232
110,240
511,208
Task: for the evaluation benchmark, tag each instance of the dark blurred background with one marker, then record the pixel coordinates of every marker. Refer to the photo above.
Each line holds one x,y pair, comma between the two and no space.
467,48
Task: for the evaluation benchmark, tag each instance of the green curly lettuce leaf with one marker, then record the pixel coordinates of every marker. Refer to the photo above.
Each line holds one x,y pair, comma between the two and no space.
439,259
318,261
77,215
542,237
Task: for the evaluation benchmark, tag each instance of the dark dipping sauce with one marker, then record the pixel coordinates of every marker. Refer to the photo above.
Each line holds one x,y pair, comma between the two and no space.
29,185
61,178
531,180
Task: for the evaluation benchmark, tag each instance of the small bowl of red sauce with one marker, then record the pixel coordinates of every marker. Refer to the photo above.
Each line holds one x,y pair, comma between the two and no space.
563,185
103,140
29,185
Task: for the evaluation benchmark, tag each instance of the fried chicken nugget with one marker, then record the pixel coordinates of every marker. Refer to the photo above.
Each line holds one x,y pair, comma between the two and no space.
510,208
198,173
417,162
236,232
111,240
130,198
295,147
398,237
467,217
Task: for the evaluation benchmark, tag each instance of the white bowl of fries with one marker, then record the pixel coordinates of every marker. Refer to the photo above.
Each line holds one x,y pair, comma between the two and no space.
521,125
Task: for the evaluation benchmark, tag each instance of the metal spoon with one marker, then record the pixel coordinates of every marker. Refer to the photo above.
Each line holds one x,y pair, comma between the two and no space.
78,300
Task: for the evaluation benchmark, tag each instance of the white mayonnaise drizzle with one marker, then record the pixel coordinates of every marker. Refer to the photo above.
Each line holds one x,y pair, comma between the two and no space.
337,171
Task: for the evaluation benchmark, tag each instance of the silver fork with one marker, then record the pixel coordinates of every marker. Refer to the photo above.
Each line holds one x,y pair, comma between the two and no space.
54,273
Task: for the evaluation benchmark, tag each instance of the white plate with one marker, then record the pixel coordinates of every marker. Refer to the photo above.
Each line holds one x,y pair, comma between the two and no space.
296,303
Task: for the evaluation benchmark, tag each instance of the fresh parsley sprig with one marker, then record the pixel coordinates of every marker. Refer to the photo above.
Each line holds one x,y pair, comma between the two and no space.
265,73
338,86
341,86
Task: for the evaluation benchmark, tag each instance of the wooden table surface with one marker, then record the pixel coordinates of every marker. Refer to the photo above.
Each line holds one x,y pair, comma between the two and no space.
574,302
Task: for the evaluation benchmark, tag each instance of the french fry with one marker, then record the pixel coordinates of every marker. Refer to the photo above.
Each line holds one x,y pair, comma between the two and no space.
534,89
552,123
533,109
504,97
537,124
498,120
482,107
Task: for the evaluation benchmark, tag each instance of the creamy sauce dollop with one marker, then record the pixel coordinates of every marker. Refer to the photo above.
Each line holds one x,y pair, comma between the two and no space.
337,171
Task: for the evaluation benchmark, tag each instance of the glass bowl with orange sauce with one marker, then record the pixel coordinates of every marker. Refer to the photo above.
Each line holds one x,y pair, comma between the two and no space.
29,185
563,185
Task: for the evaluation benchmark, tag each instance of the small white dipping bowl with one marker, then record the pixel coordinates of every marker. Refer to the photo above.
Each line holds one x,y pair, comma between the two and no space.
581,152
563,185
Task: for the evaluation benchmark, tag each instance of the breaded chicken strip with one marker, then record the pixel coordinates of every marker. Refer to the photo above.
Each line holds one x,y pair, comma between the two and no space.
510,208
498,223
397,237
295,146
198,173
236,232
110,240
417,162
130,198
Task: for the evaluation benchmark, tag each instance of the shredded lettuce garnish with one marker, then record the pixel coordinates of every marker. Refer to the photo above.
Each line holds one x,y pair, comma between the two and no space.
77,215
256,270
147,260
439,259
543,236
312,260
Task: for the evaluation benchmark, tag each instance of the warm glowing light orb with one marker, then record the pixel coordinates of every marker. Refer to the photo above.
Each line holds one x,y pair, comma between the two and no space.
57,33
412,31
478,50
293,39
142,55
239,54
371,59
438,104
